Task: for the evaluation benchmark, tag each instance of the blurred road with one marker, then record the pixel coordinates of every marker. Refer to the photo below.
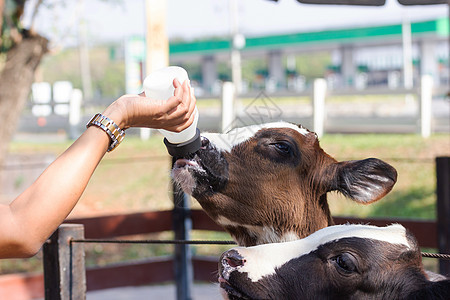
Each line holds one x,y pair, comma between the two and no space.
161,292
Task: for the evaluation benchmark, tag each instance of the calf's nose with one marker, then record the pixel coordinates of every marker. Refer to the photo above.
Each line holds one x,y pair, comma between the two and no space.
232,259
205,142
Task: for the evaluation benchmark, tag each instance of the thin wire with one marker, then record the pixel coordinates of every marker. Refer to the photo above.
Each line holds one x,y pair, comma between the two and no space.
436,255
176,242
203,242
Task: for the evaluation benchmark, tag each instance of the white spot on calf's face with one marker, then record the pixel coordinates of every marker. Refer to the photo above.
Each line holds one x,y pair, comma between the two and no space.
225,142
263,260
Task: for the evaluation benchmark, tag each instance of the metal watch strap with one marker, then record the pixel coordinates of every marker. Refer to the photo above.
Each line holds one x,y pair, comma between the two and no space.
114,132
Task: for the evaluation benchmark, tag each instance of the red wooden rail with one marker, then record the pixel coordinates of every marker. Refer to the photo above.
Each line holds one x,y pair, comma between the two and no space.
158,270
158,221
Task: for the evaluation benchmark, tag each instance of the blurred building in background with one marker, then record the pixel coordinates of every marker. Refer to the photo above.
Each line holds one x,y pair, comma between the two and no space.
359,57
358,60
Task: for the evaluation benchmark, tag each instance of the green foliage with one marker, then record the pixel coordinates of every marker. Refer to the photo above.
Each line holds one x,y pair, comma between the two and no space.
252,68
63,65
107,73
111,84
106,254
19,265
194,70
312,65
11,26
224,71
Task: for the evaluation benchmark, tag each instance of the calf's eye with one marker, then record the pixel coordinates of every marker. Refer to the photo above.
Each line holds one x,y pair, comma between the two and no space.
345,262
282,147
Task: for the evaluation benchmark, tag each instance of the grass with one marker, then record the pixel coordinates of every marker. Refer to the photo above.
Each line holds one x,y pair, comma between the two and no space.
135,177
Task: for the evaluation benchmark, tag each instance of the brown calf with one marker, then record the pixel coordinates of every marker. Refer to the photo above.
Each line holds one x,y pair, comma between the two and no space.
269,183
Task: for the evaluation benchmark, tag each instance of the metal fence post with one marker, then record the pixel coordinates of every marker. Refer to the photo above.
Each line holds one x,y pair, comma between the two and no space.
182,225
64,268
443,210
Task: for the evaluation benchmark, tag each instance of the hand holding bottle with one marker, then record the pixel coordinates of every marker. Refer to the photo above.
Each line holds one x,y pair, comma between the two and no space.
159,86
173,114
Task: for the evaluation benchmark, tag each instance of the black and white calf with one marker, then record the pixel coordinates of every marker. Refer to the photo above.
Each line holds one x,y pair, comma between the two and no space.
269,183
337,262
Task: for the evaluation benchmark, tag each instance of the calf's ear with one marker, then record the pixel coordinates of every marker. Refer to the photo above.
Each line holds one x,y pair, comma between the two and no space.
364,181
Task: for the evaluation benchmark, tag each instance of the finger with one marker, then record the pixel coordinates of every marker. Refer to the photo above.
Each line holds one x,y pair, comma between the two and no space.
180,122
178,90
173,102
182,107
189,101
176,83
190,120
193,100
180,126
187,96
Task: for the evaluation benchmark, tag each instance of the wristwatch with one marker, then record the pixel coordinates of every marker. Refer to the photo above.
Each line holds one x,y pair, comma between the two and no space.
106,124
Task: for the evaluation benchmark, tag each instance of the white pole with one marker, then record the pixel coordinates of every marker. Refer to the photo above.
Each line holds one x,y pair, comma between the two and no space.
228,113
157,42
236,73
75,113
407,53
85,69
426,96
319,94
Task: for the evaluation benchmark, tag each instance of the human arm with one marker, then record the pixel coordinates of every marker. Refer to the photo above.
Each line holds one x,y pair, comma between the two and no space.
31,218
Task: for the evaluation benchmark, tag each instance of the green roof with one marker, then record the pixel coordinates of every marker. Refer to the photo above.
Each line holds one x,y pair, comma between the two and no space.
438,27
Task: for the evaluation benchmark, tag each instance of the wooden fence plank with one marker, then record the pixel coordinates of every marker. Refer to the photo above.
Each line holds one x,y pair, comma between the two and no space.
125,224
22,286
205,268
151,271
64,267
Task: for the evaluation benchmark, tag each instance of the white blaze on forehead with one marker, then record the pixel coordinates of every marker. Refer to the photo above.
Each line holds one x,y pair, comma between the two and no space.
227,141
262,260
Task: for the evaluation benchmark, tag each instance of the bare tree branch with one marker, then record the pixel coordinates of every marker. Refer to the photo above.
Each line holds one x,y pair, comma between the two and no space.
35,12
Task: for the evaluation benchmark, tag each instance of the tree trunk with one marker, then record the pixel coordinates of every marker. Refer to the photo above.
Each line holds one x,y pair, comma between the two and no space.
2,6
16,79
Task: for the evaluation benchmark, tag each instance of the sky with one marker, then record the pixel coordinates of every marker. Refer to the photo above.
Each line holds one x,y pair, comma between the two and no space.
115,20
